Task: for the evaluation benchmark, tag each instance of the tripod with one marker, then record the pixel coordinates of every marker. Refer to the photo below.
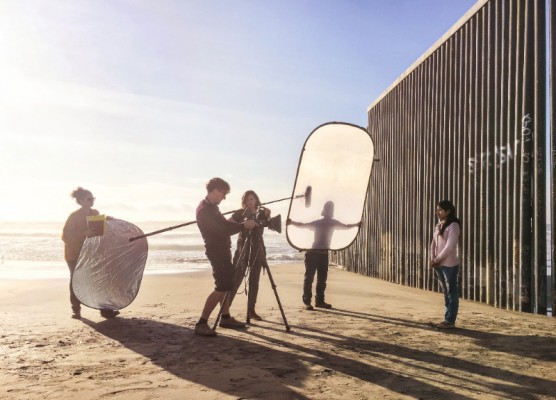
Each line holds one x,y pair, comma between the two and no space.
251,253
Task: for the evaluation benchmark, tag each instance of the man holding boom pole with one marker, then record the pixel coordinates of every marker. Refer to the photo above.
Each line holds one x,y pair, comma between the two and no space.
216,231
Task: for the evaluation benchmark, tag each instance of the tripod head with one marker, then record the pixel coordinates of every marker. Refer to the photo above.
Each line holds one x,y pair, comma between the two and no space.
274,223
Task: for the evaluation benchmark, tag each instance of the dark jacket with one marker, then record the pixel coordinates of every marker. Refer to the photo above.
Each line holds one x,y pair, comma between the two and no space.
256,235
238,217
215,229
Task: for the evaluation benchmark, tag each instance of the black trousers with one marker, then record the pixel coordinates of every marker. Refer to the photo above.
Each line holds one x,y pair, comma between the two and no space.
75,303
315,263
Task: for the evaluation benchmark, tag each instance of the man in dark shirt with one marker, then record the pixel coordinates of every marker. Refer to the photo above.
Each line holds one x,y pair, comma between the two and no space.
316,258
216,231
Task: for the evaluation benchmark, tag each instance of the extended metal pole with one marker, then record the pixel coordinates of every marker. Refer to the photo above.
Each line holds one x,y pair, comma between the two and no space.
306,195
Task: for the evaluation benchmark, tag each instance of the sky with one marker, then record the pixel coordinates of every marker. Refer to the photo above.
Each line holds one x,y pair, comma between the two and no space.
142,102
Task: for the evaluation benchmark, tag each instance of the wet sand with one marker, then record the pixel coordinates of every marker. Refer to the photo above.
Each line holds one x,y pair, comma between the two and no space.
374,344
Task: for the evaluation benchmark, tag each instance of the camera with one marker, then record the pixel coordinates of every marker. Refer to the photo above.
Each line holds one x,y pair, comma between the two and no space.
274,223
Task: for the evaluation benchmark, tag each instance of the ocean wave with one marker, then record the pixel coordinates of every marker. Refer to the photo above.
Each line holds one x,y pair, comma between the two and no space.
285,257
45,235
30,244
176,247
172,235
159,259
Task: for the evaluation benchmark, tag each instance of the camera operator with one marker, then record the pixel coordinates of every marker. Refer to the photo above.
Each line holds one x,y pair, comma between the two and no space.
216,231
256,255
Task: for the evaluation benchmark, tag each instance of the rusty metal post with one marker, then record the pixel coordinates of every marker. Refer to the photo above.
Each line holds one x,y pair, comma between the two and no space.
552,197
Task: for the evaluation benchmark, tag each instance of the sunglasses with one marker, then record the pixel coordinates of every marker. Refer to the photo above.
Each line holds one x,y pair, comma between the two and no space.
90,199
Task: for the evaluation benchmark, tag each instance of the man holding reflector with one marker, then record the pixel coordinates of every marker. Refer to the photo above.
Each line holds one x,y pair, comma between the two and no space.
336,163
316,259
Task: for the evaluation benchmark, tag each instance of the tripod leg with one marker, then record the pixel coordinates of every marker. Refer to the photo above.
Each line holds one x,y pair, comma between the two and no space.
248,317
266,267
224,300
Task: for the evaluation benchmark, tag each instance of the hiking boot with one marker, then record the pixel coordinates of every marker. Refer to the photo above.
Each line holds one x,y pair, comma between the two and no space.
76,312
445,325
254,315
204,330
109,313
231,323
322,304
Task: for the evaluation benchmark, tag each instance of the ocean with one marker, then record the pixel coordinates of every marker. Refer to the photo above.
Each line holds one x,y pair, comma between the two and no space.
34,250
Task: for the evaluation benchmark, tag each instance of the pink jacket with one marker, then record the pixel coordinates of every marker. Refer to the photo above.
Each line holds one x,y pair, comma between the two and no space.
444,249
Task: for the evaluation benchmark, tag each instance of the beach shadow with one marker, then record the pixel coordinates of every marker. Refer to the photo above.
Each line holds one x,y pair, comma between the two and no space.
202,360
536,347
376,318
525,346
512,384
177,350
332,363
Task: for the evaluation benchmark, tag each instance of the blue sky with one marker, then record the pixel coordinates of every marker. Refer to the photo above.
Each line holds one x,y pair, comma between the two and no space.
143,101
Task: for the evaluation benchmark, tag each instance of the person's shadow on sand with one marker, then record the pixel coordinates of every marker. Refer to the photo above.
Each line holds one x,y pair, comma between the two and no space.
522,345
514,385
175,349
178,351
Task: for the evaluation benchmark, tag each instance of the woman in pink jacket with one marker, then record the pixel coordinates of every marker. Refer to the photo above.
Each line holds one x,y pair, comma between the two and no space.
445,259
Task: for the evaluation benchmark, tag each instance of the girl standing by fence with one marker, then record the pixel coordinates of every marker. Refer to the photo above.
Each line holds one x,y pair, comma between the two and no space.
445,259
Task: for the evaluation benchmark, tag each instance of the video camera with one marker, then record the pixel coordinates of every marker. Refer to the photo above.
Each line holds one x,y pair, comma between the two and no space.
274,223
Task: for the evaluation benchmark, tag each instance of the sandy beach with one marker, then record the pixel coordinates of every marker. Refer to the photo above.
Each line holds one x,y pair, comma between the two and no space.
374,344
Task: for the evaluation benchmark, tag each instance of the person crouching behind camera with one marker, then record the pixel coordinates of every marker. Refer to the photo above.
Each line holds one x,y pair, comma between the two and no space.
216,231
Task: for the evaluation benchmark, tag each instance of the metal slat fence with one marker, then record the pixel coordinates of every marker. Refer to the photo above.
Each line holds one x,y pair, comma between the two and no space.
466,123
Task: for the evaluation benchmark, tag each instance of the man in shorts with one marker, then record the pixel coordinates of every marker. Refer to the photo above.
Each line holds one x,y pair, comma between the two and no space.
216,231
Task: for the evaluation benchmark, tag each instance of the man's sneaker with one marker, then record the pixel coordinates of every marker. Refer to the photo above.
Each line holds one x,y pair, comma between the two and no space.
307,303
445,325
109,313
322,304
231,323
204,330
254,315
